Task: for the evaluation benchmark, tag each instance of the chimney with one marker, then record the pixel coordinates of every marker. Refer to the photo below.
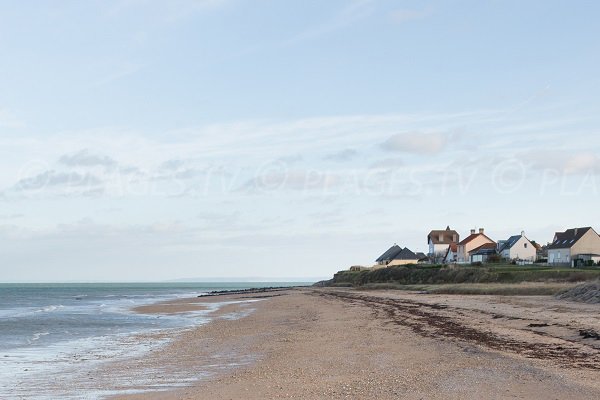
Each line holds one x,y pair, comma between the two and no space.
472,231
522,233
481,230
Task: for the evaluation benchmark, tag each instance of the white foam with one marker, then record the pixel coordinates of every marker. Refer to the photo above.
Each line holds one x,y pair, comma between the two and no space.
33,372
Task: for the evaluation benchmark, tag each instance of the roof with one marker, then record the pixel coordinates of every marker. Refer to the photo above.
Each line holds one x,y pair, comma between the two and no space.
485,248
566,239
474,236
389,254
537,246
406,254
447,235
484,252
511,242
421,256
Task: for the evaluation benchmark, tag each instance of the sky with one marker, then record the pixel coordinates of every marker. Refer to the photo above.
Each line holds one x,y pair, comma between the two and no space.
151,140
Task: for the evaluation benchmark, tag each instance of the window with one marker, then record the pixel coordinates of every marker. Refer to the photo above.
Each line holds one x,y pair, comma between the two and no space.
525,244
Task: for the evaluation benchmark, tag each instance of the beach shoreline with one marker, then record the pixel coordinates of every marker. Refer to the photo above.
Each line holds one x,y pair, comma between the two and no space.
339,343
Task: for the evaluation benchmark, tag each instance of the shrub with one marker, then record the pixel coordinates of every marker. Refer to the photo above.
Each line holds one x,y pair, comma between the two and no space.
411,275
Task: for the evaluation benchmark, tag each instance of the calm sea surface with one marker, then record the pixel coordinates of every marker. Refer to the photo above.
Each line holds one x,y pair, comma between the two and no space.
44,328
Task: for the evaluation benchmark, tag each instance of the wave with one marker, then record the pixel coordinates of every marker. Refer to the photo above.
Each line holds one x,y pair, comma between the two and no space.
37,336
50,308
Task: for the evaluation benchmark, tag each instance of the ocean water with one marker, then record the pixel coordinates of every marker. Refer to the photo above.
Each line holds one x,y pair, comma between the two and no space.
53,336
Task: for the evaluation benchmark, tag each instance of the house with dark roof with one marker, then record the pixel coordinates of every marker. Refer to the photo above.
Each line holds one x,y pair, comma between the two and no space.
404,257
472,242
388,256
483,252
423,259
440,240
397,255
517,247
567,247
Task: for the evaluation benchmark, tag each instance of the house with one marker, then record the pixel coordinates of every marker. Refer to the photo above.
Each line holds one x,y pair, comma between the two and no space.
541,251
517,247
386,257
483,253
423,258
451,254
587,260
358,268
439,241
397,255
472,242
568,246
404,257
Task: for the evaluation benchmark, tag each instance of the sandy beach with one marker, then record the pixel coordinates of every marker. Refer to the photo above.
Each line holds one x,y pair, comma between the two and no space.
334,343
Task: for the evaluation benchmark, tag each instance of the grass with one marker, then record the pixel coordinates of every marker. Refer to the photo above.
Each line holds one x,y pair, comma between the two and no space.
498,289
448,277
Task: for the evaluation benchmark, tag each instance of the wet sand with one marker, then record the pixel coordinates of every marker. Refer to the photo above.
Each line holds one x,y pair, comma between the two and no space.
327,343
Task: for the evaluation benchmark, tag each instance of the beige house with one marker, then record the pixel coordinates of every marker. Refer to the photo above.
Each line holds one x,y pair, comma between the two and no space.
472,242
396,255
404,257
572,244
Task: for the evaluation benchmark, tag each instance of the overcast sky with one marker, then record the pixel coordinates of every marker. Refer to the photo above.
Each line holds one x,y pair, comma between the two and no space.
151,140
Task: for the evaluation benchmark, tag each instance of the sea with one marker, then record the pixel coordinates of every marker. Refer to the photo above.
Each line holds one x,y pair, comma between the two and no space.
53,336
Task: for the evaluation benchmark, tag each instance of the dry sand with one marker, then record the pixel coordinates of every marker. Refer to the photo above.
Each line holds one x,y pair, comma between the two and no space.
326,343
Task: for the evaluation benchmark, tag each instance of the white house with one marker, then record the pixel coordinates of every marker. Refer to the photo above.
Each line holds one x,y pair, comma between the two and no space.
440,241
517,247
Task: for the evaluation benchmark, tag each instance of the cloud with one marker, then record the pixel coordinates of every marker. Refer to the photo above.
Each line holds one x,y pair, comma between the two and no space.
416,143
341,156
172,164
581,163
6,217
50,179
388,163
298,180
84,158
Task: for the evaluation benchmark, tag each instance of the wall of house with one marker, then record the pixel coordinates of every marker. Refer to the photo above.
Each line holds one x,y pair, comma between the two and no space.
378,266
588,244
439,249
451,257
559,256
401,262
523,250
463,250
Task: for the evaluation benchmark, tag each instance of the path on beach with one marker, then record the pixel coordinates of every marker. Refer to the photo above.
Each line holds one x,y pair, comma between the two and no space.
328,343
